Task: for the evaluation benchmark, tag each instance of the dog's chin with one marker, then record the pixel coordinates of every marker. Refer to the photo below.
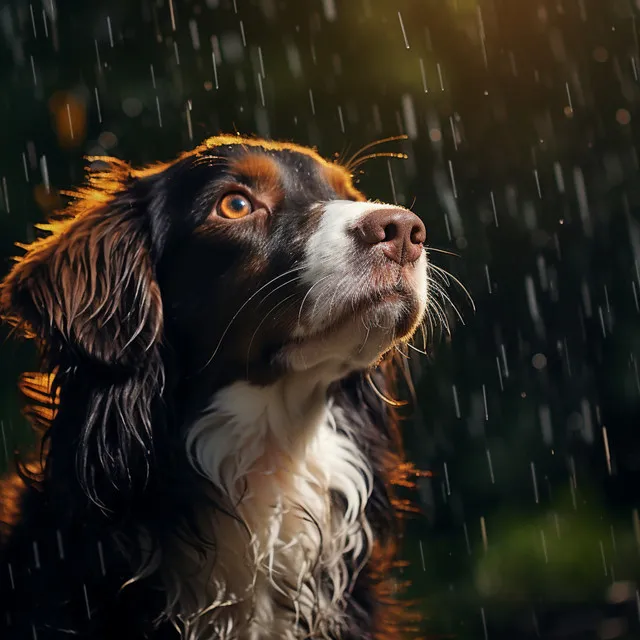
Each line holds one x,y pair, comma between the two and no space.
356,340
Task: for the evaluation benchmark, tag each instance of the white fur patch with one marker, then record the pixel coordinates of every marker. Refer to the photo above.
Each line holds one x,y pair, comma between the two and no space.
330,245
276,453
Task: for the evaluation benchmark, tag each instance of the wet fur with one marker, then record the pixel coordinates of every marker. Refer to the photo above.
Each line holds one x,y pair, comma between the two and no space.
106,532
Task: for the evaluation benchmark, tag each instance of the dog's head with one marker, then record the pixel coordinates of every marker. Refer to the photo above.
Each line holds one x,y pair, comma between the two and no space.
250,259
259,258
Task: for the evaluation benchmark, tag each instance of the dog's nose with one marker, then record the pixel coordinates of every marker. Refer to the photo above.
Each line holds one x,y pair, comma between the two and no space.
399,233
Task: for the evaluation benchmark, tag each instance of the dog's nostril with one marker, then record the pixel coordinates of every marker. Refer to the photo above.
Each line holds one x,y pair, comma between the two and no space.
418,234
390,232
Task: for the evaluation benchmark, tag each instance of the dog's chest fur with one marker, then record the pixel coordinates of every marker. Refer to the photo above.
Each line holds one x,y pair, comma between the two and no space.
281,568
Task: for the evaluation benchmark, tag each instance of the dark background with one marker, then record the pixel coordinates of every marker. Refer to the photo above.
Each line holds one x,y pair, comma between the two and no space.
522,159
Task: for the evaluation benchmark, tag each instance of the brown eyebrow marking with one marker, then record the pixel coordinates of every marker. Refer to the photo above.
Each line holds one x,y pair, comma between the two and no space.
262,171
341,182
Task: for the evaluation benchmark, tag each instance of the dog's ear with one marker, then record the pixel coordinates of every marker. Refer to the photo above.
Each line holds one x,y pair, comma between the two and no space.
87,291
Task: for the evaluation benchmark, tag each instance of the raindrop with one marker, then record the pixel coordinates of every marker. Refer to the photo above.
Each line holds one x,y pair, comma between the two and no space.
172,14
33,21
557,170
313,106
484,624
493,206
456,403
535,482
409,116
159,112
242,34
482,34
490,463
453,180
101,558
499,373
604,560
4,442
60,547
36,554
607,454
261,89
544,413
544,546
110,31
570,106
340,116
215,68
484,399
195,36
537,177
404,33
189,126
98,62
44,22
95,91
393,184
587,423
423,75
488,278
466,537
33,71
86,601
440,76
483,532
583,204
294,60
446,478
5,194
44,169
25,167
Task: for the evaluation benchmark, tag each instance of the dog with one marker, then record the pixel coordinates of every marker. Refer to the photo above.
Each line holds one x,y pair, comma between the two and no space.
219,447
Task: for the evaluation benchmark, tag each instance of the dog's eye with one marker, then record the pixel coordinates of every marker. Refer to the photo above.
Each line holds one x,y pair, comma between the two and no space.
234,205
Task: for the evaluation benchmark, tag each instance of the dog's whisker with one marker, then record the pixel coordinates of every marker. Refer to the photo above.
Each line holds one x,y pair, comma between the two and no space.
311,288
264,318
375,143
239,311
450,275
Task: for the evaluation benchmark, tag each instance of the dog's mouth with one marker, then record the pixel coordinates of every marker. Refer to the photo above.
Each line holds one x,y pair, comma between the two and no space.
352,315
392,310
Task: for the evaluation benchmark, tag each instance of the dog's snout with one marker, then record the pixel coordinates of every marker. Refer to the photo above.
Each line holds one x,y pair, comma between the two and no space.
400,233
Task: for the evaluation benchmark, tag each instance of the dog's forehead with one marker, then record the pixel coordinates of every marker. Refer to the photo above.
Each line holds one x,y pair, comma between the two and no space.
292,169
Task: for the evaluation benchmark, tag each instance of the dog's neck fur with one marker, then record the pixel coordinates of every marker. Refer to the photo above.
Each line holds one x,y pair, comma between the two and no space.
277,454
